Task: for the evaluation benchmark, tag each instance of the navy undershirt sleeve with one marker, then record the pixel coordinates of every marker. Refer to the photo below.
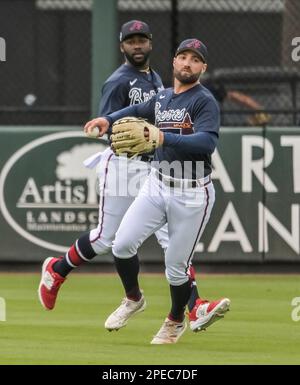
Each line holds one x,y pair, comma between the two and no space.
201,142
206,128
114,97
143,110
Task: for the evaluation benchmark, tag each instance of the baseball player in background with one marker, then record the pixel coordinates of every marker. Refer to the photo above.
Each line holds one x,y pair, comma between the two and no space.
221,93
131,84
187,120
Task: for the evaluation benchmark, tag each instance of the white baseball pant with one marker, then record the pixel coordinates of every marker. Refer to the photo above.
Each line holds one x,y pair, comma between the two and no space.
186,210
120,180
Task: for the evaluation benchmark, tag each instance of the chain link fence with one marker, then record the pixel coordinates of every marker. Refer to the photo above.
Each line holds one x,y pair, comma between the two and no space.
250,51
46,77
253,53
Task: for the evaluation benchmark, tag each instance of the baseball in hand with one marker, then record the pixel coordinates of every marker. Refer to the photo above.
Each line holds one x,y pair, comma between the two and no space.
94,133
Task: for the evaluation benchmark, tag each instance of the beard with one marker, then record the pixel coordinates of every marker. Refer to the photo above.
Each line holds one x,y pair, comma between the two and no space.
186,78
140,62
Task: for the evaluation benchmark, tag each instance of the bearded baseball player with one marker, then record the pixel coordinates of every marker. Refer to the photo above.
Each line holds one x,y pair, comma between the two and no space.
131,84
186,132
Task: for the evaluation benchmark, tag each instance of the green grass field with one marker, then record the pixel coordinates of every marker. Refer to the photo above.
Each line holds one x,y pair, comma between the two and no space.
257,330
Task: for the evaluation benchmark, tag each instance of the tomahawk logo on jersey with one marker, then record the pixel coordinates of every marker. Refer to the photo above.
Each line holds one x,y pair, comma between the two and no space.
201,114
175,121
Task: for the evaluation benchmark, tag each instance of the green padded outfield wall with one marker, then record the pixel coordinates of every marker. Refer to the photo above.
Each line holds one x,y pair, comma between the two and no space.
48,198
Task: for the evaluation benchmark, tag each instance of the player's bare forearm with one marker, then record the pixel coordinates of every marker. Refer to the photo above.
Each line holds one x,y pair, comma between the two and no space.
244,100
96,128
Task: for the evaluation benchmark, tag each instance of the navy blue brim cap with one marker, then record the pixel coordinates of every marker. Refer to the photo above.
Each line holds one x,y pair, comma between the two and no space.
135,27
194,45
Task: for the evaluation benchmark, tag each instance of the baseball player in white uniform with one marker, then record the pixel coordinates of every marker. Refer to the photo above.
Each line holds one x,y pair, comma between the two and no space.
120,178
188,118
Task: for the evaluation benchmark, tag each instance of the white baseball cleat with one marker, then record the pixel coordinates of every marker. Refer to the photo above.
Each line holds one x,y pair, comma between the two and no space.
169,333
126,310
205,313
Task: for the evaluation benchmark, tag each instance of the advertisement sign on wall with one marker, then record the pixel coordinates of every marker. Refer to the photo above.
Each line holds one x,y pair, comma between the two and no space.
48,198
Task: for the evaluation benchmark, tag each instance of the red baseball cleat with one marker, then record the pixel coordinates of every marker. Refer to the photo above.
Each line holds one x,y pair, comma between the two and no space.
50,284
205,313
